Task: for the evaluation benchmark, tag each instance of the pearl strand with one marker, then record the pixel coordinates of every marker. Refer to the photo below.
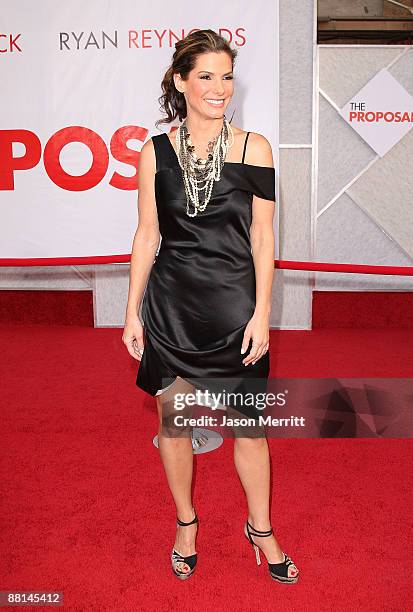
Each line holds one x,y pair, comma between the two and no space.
196,171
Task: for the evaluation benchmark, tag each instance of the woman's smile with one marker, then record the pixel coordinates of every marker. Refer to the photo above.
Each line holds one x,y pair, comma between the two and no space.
215,102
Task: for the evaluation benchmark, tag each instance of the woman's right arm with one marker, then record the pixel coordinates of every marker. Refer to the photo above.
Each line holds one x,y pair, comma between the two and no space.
145,245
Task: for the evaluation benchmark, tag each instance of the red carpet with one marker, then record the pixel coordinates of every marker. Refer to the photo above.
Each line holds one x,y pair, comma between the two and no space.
86,508
362,309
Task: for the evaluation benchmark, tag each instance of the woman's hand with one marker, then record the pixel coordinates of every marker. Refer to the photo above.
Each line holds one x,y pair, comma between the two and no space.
133,336
257,329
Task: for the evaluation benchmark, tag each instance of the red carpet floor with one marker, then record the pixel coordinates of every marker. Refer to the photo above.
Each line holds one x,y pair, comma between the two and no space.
86,509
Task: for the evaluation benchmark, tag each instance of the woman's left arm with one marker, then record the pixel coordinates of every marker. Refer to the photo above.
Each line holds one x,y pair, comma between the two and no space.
262,244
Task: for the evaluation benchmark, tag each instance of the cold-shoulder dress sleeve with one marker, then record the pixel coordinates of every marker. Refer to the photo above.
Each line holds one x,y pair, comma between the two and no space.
262,181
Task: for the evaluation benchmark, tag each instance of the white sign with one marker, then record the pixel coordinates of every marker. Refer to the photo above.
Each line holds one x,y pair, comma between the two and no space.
80,86
381,112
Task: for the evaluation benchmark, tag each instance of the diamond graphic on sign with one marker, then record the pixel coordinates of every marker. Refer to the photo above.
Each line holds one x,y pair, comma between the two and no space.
381,112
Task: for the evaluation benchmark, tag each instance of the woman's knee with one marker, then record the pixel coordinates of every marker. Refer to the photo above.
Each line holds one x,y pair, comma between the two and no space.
251,443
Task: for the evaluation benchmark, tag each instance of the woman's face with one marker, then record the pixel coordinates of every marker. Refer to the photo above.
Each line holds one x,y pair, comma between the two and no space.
210,79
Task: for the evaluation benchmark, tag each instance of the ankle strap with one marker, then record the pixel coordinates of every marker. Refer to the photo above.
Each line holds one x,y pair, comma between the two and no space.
259,534
182,524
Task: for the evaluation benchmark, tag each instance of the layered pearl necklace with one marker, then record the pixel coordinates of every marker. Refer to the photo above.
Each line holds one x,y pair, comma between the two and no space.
199,174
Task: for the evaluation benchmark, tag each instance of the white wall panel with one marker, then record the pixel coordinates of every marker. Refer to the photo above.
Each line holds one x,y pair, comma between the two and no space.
343,71
345,233
342,154
402,70
68,278
296,67
110,295
291,298
385,192
371,222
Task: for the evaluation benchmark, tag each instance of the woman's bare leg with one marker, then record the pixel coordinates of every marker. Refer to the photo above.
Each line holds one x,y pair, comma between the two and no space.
252,461
177,457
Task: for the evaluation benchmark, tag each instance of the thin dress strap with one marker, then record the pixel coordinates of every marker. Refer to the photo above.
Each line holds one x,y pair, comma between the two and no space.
245,147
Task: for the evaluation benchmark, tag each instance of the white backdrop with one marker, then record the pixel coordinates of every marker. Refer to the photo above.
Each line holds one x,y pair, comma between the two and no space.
63,80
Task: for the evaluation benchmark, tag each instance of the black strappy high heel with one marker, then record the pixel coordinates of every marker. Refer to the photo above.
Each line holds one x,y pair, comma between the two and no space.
278,571
176,557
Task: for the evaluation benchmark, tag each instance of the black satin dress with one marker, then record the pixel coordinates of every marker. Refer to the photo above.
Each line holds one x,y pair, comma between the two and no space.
200,293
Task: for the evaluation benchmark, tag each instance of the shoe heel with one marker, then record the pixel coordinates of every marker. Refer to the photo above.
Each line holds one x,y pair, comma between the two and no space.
256,548
257,554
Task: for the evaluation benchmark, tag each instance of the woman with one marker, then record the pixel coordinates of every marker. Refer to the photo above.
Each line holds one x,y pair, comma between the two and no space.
207,301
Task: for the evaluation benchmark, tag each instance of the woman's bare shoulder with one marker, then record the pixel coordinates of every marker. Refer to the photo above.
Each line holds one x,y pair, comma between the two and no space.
254,138
259,150
147,158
